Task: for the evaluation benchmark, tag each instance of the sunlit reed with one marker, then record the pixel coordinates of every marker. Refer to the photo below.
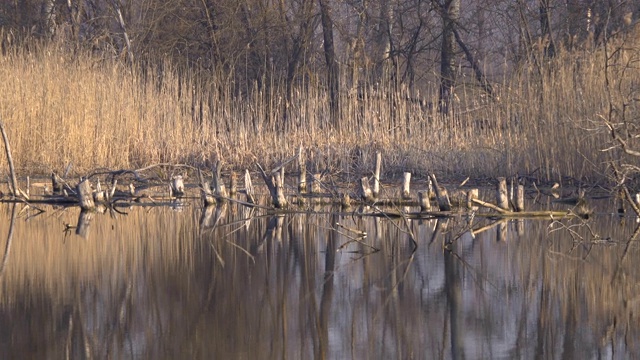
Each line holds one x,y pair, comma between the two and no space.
79,109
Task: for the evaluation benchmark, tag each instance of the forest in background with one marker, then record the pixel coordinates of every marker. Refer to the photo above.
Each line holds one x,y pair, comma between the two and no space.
485,88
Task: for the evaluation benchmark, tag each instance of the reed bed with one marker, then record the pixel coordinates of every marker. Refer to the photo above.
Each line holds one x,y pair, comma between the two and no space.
61,108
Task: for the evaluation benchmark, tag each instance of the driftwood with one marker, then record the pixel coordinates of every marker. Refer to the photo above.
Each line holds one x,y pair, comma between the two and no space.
507,213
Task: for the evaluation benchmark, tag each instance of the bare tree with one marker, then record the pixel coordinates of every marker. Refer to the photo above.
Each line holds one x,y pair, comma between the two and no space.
333,71
545,28
450,15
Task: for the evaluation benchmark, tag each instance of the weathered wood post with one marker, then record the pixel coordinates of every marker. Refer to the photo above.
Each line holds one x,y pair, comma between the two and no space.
520,198
502,197
365,190
423,199
315,183
85,195
376,175
406,186
302,166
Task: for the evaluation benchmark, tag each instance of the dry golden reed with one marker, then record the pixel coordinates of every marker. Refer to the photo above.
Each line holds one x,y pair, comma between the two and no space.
61,108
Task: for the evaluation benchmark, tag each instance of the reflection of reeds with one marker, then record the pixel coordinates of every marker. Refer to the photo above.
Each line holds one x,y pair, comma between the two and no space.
49,259
92,112
153,276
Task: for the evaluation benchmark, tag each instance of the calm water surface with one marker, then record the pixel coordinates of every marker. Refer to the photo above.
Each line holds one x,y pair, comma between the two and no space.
161,283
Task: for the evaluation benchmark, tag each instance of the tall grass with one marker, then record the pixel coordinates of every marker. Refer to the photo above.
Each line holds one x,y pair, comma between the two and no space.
62,108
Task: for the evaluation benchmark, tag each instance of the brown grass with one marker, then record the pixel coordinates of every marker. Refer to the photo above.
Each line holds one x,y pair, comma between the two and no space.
91,112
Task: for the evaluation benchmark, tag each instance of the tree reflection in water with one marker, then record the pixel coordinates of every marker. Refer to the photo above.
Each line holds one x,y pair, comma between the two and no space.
228,282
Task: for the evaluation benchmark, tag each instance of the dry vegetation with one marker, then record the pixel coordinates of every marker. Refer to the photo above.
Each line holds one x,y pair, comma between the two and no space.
61,108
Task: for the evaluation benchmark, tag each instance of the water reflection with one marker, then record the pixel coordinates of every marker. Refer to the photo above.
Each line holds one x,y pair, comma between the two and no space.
232,282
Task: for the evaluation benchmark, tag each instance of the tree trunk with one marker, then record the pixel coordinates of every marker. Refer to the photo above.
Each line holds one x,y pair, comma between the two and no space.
384,37
545,29
333,72
48,13
299,45
450,15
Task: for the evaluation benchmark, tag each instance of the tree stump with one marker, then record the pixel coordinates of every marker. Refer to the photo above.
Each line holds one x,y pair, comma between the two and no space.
376,175
406,186
365,190
177,186
302,167
502,197
85,195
